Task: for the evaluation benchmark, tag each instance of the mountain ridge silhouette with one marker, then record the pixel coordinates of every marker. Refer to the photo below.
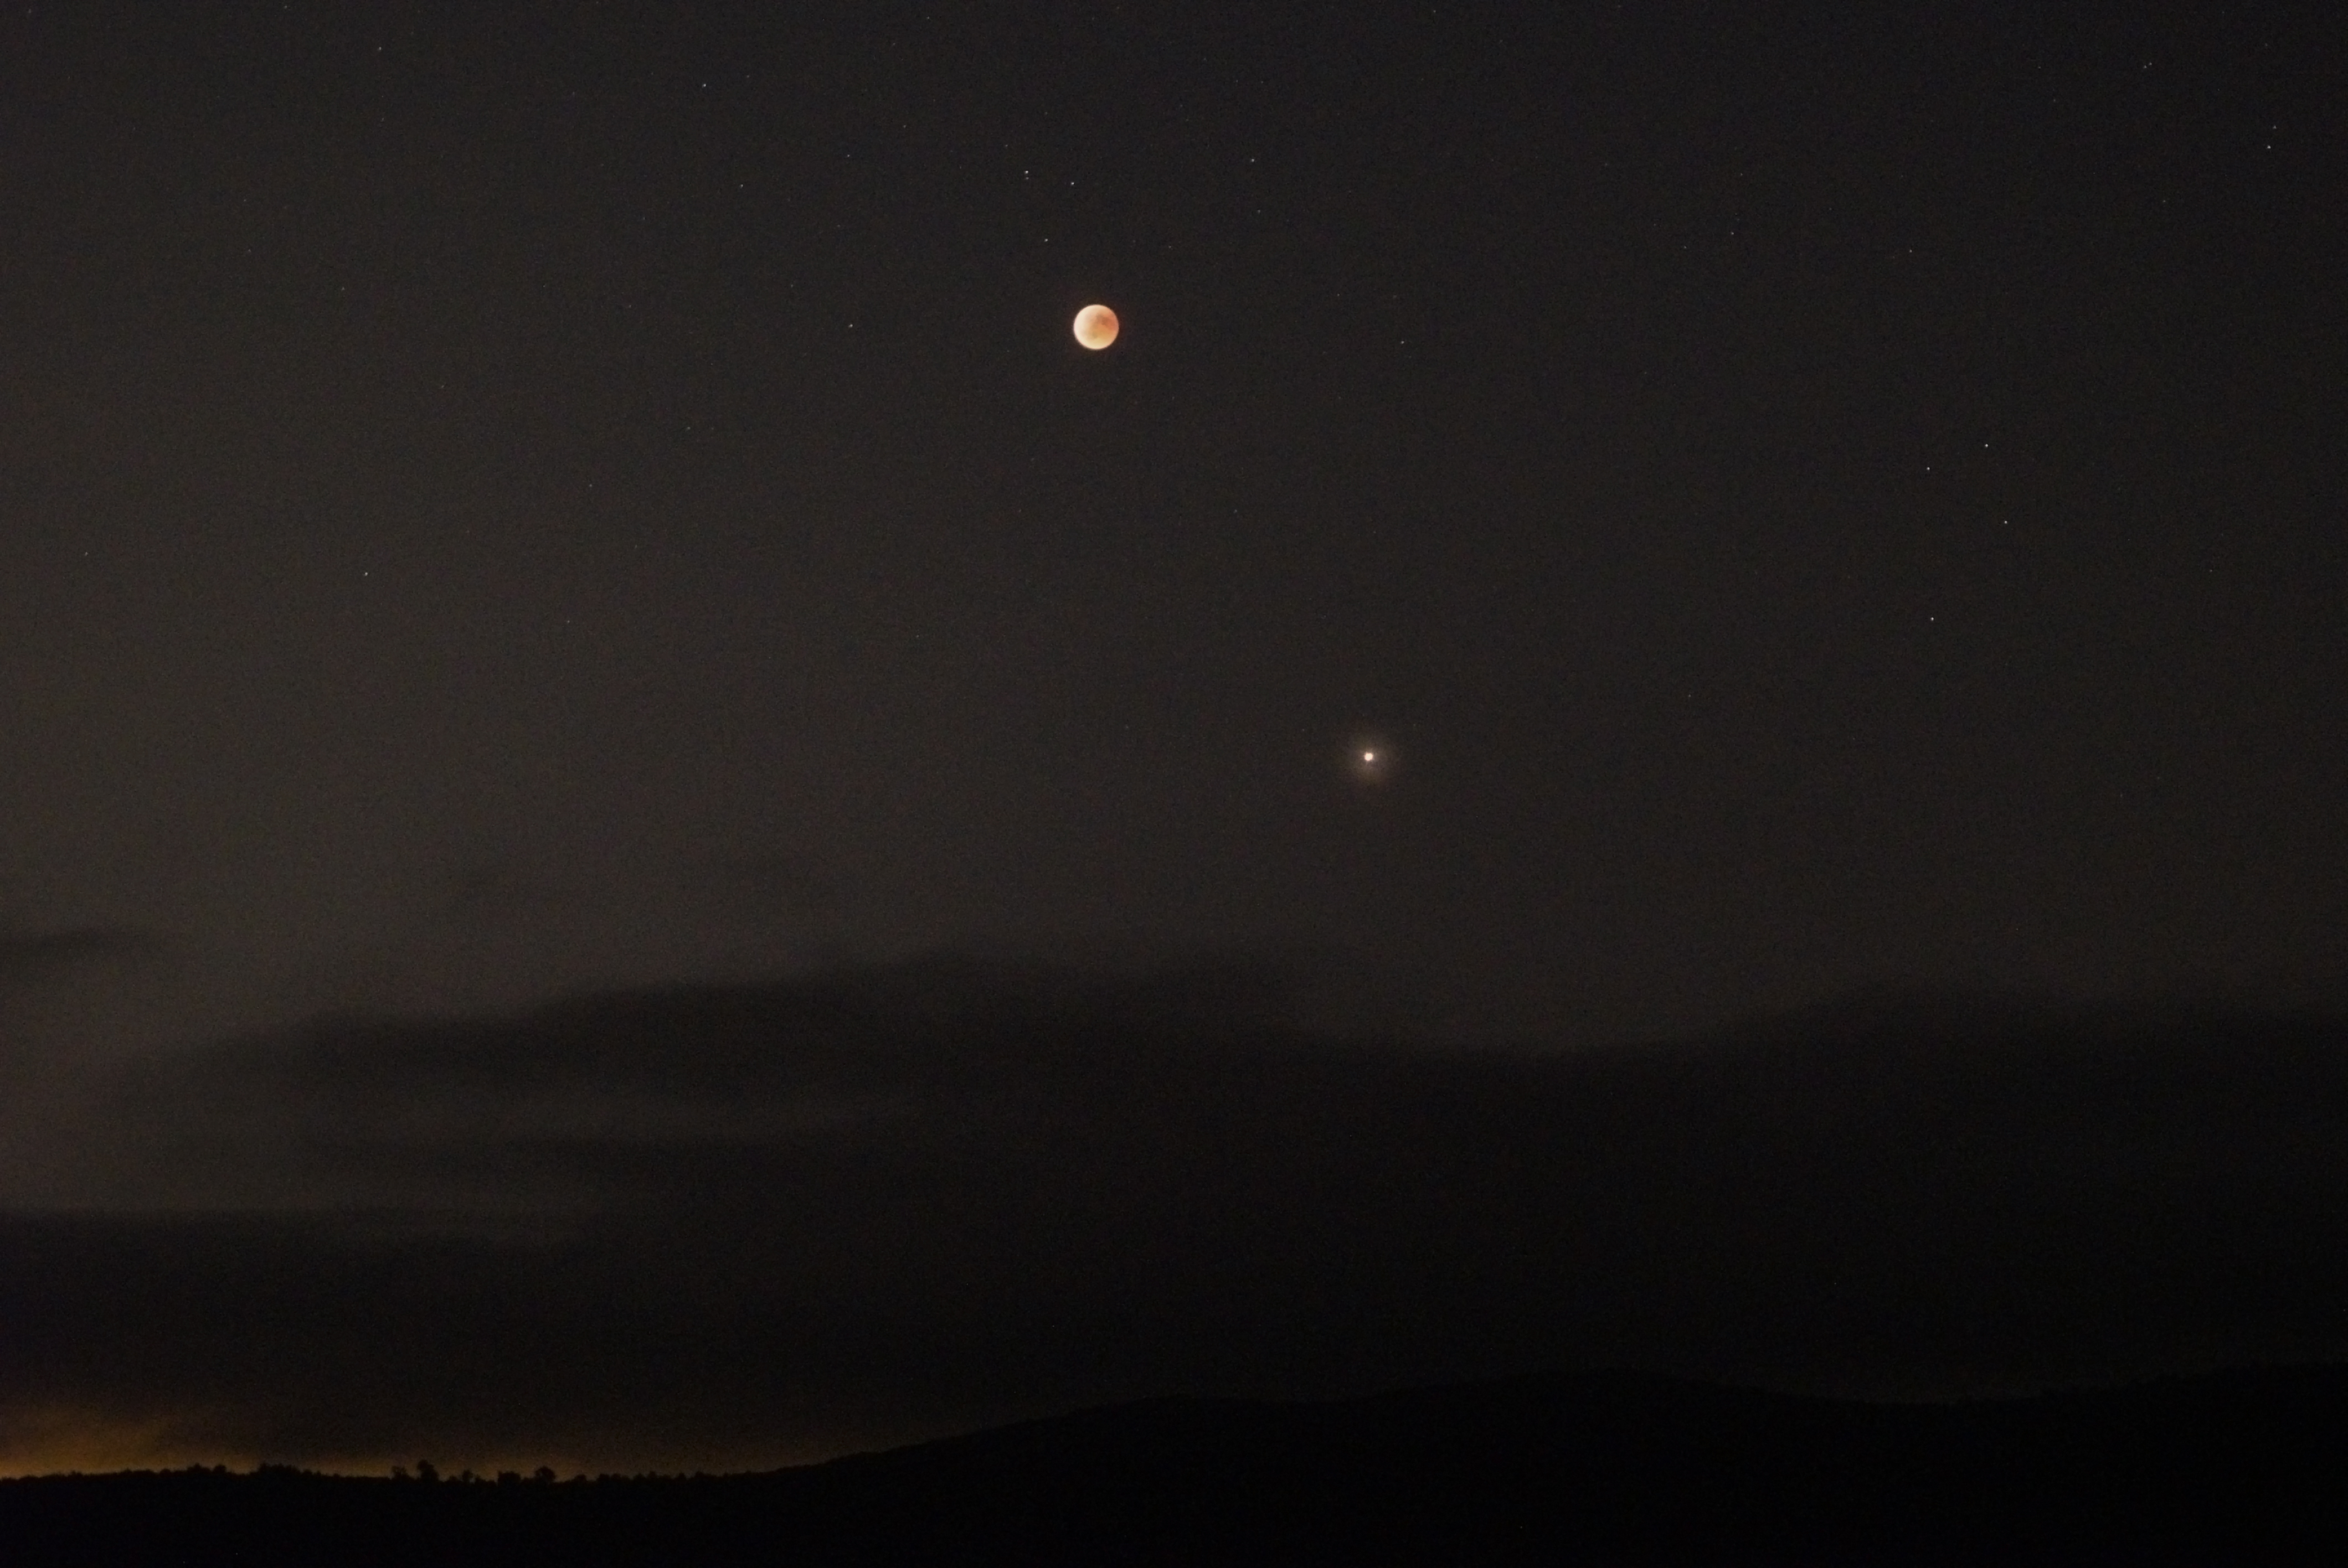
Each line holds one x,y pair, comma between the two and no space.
1612,1467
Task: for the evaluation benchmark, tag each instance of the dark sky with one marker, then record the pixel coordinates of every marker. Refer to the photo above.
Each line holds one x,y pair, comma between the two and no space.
501,503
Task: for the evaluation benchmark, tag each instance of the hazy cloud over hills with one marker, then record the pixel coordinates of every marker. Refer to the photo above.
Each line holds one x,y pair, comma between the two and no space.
735,1225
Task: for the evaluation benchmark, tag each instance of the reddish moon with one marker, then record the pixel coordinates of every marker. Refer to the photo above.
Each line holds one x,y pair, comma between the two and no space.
1096,326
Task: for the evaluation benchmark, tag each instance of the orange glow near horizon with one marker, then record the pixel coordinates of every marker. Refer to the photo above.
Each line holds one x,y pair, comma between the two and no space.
53,1441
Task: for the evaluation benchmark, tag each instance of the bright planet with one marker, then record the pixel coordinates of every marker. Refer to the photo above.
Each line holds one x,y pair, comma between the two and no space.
1096,326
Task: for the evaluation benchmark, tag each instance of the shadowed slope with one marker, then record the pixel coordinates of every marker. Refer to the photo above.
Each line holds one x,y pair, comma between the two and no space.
1614,1469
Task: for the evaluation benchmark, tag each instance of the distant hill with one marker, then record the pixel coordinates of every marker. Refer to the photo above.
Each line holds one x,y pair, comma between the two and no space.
2248,1467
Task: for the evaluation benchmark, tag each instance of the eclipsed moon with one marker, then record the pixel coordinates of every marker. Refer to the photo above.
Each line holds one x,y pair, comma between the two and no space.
1096,326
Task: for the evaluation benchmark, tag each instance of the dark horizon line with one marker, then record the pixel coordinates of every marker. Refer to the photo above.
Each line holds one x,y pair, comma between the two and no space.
1612,1384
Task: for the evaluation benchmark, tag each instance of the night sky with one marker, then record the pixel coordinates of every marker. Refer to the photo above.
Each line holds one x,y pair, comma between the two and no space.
644,820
